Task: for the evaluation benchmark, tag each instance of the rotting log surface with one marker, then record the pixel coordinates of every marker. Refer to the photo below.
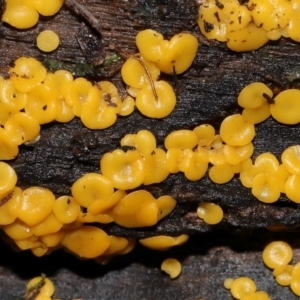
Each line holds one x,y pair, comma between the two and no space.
206,93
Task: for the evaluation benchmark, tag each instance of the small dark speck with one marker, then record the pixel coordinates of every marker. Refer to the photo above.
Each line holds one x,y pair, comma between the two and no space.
208,27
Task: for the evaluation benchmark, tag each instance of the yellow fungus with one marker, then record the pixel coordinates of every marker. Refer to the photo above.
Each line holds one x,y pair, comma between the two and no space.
236,154
132,92
267,163
14,199
52,239
205,134
48,8
102,205
193,164
163,242
116,244
252,96
36,205
281,175
230,22
248,173
26,73
77,93
235,131
33,141
47,40
173,158
257,115
294,23
41,104
286,107
90,218
6,111
274,35
110,94
283,274
156,107
270,15
8,179
59,82
136,209
178,53
11,97
144,141
228,282
20,15
265,188
127,106
216,143
172,267
101,106
6,215
211,213
291,159
46,289
202,152
216,156
31,242
90,188
60,79
277,254
124,169
64,112
148,42
49,225
86,241
247,164
17,230
213,27
22,128
43,297
184,139
242,286
39,251
165,205
237,168
291,188
155,165
134,74
248,38
221,174
295,283
129,247
261,295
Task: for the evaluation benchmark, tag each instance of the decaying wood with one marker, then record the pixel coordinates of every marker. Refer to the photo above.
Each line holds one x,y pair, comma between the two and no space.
207,260
206,93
